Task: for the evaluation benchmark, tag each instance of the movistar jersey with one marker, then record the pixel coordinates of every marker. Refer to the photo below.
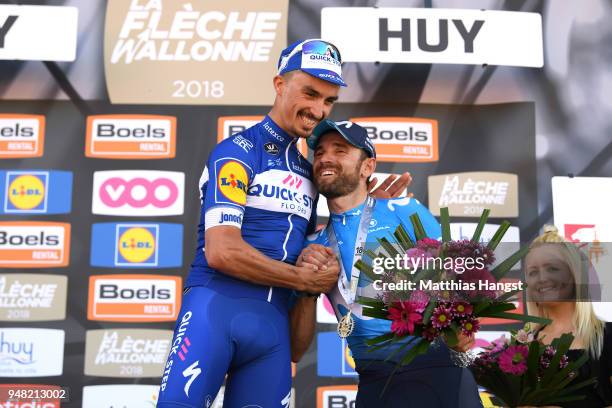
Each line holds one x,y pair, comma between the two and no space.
386,217
257,181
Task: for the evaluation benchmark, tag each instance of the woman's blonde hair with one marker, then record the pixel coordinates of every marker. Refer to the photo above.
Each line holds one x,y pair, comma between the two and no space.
589,329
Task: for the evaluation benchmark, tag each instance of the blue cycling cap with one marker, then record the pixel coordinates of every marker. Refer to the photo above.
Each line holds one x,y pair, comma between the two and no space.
315,57
350,131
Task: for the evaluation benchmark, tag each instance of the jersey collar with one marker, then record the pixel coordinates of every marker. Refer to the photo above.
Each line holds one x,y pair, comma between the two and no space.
353,212
275,133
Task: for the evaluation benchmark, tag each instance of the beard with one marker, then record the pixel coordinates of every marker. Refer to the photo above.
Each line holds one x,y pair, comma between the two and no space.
341,185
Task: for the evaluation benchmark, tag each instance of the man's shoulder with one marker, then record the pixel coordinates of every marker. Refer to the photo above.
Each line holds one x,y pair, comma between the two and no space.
397,204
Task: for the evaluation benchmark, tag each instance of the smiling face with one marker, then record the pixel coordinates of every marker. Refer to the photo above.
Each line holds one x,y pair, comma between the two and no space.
302,101
549,278
339,167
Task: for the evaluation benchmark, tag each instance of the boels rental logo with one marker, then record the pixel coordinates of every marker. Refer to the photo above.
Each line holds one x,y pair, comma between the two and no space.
35,192
21,135
137,245
34,244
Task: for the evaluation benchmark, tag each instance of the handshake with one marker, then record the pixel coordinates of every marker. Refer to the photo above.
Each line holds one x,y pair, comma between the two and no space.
317,269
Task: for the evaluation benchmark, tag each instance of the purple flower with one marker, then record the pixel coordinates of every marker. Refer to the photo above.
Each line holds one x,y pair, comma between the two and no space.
441,317
420,299
513,360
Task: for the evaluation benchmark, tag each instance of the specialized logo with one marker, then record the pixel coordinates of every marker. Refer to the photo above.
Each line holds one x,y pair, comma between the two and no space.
191,373
53,394
138,193
34,244
56,29
230,125
334,358
402,139
435,36
282,191
32,297
21,135
468,194
120,395
134,298
126,352
336,396
137,245
131,136
232,181
35,192
191,53
271,148
31,352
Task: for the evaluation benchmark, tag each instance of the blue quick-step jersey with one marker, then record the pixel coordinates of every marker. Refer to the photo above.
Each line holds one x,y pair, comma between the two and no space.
258,181
386,217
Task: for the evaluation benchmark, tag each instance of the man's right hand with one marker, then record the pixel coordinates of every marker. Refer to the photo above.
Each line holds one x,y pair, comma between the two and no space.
318,266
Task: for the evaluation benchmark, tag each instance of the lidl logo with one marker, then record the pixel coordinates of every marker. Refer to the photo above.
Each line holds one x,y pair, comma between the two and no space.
35,192
137,245
230,125
21,135
131,136
232,180
399,139
134,298
34,244
334,357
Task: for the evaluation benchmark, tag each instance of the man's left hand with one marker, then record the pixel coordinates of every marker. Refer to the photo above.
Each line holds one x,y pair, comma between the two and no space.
392,187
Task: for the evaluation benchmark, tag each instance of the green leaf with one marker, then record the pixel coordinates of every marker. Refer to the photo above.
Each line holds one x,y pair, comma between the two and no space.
499,234
367,301
419,231
388,247
507,296
366,269
520,317
403,237
428,311
481,223
445,224
503,268
533,362
379,339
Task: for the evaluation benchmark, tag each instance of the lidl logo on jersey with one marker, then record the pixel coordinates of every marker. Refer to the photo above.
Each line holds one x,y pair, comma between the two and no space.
137,245
120,395
334,357
399,139
32,297
21,135
232,181
138,193
336,396
31,352
55,392
282,191
31,244
131,136
230,125
134,298
35,192
130,353
468,194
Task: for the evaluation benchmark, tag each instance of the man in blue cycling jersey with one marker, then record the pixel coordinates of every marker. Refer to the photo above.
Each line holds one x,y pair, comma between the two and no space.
258,203
344,159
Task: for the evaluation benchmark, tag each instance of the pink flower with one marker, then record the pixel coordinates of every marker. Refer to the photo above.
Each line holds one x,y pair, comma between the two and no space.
441,317
478,276
499,344
420,299
513,360
431,246
415,259
523,336
430,333
462,309
470,326
404,316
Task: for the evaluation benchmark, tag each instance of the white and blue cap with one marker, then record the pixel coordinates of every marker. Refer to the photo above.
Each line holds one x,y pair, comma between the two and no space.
315,57
350,131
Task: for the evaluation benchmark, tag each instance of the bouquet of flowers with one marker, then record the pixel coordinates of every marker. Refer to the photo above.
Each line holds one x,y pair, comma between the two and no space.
522,371
437,290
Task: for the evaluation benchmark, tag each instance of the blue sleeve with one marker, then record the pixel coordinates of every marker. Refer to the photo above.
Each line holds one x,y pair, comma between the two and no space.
230,170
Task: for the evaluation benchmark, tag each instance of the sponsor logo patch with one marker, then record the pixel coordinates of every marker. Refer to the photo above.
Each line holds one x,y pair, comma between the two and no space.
35,192
21,135
232,181
32,297
31,244
26,352
336,396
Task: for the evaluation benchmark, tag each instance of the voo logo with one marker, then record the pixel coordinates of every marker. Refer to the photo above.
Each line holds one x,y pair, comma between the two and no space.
138,193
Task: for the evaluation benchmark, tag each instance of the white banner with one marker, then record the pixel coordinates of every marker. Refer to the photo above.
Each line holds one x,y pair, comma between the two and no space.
39,33
435,36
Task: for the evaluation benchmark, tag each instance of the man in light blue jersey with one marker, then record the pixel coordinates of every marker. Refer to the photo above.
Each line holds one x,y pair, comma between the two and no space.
258,203
344,159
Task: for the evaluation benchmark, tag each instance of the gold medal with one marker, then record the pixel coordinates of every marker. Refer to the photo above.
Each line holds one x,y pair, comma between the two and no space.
346,325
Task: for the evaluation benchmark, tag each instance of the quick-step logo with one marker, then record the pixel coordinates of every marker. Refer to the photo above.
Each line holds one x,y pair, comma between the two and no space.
21,135
131,136
134,298
32,244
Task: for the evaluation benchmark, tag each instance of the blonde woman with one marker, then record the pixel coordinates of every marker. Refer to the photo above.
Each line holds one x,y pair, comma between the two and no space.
556,273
